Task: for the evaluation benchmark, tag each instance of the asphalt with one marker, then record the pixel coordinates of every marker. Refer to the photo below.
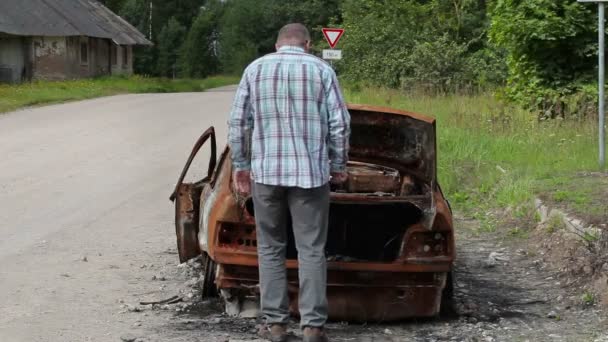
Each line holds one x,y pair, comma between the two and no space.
84,206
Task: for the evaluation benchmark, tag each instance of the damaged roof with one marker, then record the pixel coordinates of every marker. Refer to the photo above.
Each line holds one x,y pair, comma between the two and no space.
66,18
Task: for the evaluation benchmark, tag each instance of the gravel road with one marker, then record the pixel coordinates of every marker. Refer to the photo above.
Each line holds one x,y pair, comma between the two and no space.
86,233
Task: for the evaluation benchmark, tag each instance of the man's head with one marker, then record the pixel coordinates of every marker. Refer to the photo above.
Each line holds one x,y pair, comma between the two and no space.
294,35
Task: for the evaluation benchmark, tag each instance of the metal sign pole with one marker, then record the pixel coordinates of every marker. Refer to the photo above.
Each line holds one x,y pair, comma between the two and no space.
602,78
602,117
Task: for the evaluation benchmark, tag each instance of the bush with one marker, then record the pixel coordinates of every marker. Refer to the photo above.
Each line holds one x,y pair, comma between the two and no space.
552,52
435,46
439,65
198,56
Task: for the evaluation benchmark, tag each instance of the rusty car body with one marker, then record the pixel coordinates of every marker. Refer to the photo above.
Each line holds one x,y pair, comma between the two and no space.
390,247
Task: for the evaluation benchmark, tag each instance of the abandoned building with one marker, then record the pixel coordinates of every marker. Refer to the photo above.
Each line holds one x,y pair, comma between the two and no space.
63,39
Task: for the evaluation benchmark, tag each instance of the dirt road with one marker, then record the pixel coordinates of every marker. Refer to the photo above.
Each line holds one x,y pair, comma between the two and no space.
90,180
86,233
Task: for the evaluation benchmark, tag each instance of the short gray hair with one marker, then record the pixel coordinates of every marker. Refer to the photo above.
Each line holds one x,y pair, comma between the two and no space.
293,34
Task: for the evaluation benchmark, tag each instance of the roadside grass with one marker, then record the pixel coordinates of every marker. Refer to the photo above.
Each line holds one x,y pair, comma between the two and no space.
13,97
496,156
584,194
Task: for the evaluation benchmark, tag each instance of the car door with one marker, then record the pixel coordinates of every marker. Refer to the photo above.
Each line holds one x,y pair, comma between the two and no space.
186,197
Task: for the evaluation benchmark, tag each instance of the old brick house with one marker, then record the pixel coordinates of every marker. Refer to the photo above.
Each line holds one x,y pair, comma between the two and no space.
63,39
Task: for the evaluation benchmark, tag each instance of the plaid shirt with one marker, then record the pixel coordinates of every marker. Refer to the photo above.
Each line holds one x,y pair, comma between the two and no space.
289,124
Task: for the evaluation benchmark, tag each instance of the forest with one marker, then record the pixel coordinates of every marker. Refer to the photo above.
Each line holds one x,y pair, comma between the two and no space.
541,54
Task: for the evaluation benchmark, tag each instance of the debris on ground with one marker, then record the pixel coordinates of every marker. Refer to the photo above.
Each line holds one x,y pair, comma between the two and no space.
172,300
516,299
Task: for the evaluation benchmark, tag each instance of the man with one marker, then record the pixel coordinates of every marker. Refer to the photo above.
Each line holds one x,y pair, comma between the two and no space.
288,132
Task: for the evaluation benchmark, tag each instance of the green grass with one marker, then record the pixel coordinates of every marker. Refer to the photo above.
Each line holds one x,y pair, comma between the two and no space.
45,92
492,155
588,298
555,223
584,194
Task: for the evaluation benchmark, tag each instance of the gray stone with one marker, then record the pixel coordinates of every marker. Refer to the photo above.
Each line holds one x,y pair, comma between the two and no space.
128,338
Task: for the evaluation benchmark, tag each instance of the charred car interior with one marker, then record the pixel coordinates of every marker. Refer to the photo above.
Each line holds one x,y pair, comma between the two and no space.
390,247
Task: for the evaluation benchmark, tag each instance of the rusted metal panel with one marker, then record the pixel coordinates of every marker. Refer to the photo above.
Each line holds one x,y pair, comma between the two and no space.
392,138
186,221
187,197
356,296
375,179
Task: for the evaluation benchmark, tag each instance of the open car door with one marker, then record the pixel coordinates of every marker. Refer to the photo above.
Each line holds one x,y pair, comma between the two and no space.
187,197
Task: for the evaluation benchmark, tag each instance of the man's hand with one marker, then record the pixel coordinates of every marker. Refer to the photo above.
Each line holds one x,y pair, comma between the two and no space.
338,177
242,182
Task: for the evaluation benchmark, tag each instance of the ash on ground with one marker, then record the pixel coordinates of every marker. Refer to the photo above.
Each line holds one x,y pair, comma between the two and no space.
501,293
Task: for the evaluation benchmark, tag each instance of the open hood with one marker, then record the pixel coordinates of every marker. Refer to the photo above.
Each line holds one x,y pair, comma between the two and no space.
399,139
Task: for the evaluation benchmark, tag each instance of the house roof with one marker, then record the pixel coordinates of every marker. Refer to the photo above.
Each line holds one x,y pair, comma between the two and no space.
66,18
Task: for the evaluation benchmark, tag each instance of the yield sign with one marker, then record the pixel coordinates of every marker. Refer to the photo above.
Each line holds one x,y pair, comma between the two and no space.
333,35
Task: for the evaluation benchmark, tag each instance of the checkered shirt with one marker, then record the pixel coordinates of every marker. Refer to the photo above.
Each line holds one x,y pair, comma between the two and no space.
289,124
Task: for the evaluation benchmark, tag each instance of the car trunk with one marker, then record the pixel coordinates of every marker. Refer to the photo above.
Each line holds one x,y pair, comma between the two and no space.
389,188
369,215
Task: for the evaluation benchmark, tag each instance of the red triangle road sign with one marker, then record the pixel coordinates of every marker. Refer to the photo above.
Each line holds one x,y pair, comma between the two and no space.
333,35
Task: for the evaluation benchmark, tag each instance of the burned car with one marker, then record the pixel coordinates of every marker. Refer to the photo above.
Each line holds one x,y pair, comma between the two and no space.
390,246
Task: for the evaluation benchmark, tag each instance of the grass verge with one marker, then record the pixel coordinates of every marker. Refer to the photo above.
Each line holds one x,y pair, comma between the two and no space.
585,194
492,155
13,97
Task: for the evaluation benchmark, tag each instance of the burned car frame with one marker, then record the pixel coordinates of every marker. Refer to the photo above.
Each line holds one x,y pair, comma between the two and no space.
390,245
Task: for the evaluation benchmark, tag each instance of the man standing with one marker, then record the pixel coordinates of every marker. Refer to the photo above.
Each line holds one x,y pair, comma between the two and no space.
288,132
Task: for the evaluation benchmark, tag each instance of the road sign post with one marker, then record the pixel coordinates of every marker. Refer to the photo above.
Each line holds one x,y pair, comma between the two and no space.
332,35
601,76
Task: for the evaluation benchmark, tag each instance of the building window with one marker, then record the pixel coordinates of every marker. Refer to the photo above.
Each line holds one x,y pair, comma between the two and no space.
84,52
125,56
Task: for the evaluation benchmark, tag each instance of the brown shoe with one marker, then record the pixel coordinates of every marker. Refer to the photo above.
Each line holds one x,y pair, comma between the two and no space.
273,332
313,334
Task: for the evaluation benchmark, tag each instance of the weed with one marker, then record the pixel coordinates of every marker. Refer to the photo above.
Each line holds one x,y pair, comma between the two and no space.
555,223
588,298
518,233
488,225
560,196
537,217
590,237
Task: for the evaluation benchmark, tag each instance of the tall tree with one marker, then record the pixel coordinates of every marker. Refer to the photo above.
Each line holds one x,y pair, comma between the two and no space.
169,42
137,12
198,56
114,5
183,11
249,28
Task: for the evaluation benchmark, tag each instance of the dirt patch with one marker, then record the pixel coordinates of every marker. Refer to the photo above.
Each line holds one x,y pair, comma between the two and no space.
574,250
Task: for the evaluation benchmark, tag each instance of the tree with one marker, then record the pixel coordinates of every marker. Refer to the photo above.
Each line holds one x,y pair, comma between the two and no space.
169,42
137,12
183,11
113,5
198,56
248,28
550,44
